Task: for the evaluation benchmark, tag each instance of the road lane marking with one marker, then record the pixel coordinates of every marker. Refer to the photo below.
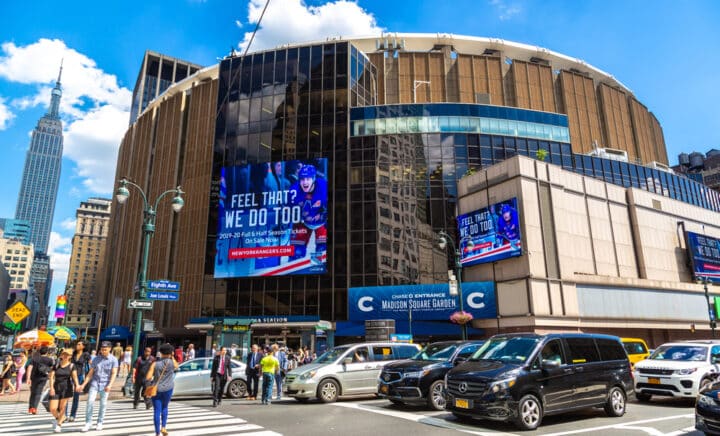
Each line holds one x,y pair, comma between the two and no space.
419,418
622,425
649,430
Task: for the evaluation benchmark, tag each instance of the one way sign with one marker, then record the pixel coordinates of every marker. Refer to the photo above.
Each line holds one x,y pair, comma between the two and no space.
140,304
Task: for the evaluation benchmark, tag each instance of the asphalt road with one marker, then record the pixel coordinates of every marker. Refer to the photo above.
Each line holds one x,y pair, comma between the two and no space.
369,416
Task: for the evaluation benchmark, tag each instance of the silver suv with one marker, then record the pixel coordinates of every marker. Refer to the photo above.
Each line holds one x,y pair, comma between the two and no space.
345,370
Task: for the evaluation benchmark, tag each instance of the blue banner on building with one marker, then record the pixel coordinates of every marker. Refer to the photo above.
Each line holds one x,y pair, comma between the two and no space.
490,234
704,254
272,219
425,302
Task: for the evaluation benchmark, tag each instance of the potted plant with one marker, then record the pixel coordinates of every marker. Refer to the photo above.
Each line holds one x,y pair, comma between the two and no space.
461,317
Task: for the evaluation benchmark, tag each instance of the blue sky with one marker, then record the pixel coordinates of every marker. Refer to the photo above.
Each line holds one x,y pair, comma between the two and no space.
665,51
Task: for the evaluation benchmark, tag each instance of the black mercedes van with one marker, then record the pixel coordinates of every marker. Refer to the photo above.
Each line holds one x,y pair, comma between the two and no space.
525,376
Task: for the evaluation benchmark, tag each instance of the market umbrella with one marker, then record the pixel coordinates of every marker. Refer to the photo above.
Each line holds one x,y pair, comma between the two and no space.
34,338
62,333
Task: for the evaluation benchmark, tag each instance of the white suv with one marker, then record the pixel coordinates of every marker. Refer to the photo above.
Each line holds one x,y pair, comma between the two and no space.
677,369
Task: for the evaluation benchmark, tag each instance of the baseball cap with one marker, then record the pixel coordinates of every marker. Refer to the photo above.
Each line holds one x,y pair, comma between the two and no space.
106,344
67,351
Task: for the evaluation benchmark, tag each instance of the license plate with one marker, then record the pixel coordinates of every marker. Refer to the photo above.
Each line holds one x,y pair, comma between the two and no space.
461,404
654,380
384,389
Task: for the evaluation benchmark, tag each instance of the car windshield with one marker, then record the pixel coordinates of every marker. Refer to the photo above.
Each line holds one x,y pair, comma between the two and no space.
436,352
513,349
680,353
331,355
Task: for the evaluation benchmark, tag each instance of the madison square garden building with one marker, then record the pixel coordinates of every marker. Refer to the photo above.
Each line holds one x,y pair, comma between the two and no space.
317,177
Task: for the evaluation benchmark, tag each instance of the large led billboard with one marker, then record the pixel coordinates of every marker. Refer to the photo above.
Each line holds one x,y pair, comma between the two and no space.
272,219
704,254
490,234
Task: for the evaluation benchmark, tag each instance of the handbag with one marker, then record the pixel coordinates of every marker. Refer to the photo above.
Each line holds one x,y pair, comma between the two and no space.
151,391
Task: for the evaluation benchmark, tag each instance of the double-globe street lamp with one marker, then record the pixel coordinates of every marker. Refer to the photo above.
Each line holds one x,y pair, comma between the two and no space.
149,213
443,241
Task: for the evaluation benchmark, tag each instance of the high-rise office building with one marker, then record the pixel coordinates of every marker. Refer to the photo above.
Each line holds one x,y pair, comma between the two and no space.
16,229
18,260
41,176
158,72
88,250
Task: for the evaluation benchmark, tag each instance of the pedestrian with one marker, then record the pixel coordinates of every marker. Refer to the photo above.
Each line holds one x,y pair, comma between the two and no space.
126,361
179,354
20,365
162,374
8,375
117,351
93,355
81,360
281,356
140,372
40,366
190,352
63,378
214,350
220,374
101,377
252,371
270,368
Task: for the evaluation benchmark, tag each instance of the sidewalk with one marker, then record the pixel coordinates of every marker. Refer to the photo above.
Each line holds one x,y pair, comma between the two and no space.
24,395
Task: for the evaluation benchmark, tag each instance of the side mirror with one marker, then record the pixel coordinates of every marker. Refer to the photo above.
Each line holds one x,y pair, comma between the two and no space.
346,360
715,358
549,363
459,360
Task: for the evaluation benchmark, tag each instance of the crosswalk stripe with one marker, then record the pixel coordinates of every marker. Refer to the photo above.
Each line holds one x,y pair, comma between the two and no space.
121,420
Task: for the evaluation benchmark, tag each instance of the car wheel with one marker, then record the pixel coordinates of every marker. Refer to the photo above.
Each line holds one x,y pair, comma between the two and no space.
237,389
301,400
615,405
436,396
643,398
529,413
328,391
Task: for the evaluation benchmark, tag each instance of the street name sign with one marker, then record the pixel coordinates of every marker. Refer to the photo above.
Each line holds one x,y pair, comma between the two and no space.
140,304
163,285
17,312
164,296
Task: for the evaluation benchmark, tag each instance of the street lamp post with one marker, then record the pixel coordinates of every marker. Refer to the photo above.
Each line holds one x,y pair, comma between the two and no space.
149,213
711,307
443,240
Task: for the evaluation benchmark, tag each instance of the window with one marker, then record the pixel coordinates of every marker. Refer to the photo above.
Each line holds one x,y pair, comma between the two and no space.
468,351
552,351
405,351
582,350
612,350
382,353
360,355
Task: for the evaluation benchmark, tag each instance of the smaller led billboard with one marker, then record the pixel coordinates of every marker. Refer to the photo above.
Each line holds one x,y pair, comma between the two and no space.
272,219
704,254
490,234
60,305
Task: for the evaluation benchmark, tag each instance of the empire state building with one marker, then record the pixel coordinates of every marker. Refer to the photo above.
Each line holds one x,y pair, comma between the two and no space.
41,176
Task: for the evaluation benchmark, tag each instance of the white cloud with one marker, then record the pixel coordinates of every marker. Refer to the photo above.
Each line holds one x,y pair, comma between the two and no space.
92,141
94,107
59,249
506,10
68,224
5,115
288,21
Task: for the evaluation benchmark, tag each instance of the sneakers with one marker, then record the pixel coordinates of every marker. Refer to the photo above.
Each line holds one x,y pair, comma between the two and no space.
86,428
58,429
98,427
71,419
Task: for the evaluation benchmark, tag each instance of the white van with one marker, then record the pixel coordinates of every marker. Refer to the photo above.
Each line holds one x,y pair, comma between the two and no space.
345,370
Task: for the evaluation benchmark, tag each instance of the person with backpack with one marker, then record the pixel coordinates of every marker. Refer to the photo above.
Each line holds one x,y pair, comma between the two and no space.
81,359
140,371
38,372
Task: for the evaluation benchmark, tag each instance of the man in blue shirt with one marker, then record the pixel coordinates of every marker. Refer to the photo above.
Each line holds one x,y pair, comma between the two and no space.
101,376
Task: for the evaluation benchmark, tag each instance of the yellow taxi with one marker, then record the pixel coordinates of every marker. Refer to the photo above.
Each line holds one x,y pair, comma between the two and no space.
636,349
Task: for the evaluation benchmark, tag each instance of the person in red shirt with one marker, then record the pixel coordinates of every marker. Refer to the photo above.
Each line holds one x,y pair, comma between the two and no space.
179,354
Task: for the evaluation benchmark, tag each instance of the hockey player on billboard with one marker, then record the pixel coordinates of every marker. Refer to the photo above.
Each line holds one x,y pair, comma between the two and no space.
312,198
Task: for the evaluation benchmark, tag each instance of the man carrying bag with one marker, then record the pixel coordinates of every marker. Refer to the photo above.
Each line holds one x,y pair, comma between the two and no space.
140,371
220,373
